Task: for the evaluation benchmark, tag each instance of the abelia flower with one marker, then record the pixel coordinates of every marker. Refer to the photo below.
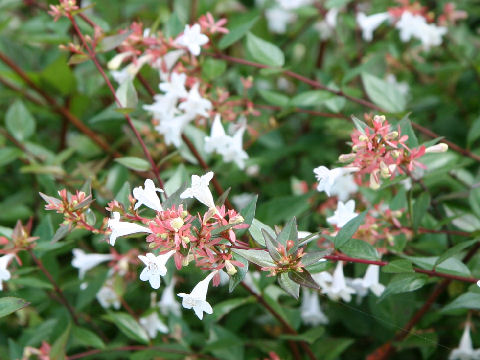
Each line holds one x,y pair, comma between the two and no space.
310,310
278,19
208,23
192,39
293,4
4,273
370,281
168,303
197,299
344,213
195,104
370,23
107,297
339,289
200,190
84,262
123,228
153,325
336,181
412,25
155,267
465,350
175,87
148,196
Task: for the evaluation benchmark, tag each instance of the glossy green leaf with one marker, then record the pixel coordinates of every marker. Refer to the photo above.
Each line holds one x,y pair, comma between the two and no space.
264,52
20,123
134,163
10,304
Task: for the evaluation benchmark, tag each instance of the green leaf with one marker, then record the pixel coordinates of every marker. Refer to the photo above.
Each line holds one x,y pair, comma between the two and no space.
62,231
213,68
134,163
264,52
10,304
315,256
347,231
274,97
310,336
304,279
9,154
289,232
123,193
454,250
237,32
331,348
225,307
401,283
58,351
272,246
407,129
111,42
128,326
238,277
259,257
468,301
474,132
420,208
359,124
127,95
174,26
311,98
290,286
256,231
32,282
19,122
248,213
87,338
398,266
59,76
384,94
360,249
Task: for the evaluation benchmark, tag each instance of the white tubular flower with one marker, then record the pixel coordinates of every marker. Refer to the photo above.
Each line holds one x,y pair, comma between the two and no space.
117,60
168,303
278,19
344,213
438,148
310,310
107,297
148,196
197,299
195,104
328,179
339,288
465,350
176,86
123,228
216,140
172,127
166,63
4,273
323,279
369,24
155,267
192,38
84,262
153,325
200,191
370,282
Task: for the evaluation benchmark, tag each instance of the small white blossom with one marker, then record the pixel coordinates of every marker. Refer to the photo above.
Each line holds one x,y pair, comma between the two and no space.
172,129
344,213
130,71
370,281
278,19
310,310
147,196
166,63
155,267
339,288
175,87
4,273
370,23
323,279
199,190
153,325
123,228
168,303
293,4
416,26
192,38
107,297
195,104
84,262
338,181
465,350
197,299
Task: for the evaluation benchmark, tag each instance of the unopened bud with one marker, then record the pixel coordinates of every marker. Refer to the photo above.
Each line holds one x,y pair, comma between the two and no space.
117,60
184,213
185,239
384,170
346,157
177,223
374,183
391,135
237,219
185,261
290,244
379,118
439,148
395,154
152,245
363,138
231,270
357,147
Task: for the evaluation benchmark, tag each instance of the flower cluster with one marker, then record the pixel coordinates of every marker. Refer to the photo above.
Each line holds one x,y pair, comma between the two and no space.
413,21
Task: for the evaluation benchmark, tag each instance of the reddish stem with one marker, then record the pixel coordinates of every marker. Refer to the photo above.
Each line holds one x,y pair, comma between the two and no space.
93,56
